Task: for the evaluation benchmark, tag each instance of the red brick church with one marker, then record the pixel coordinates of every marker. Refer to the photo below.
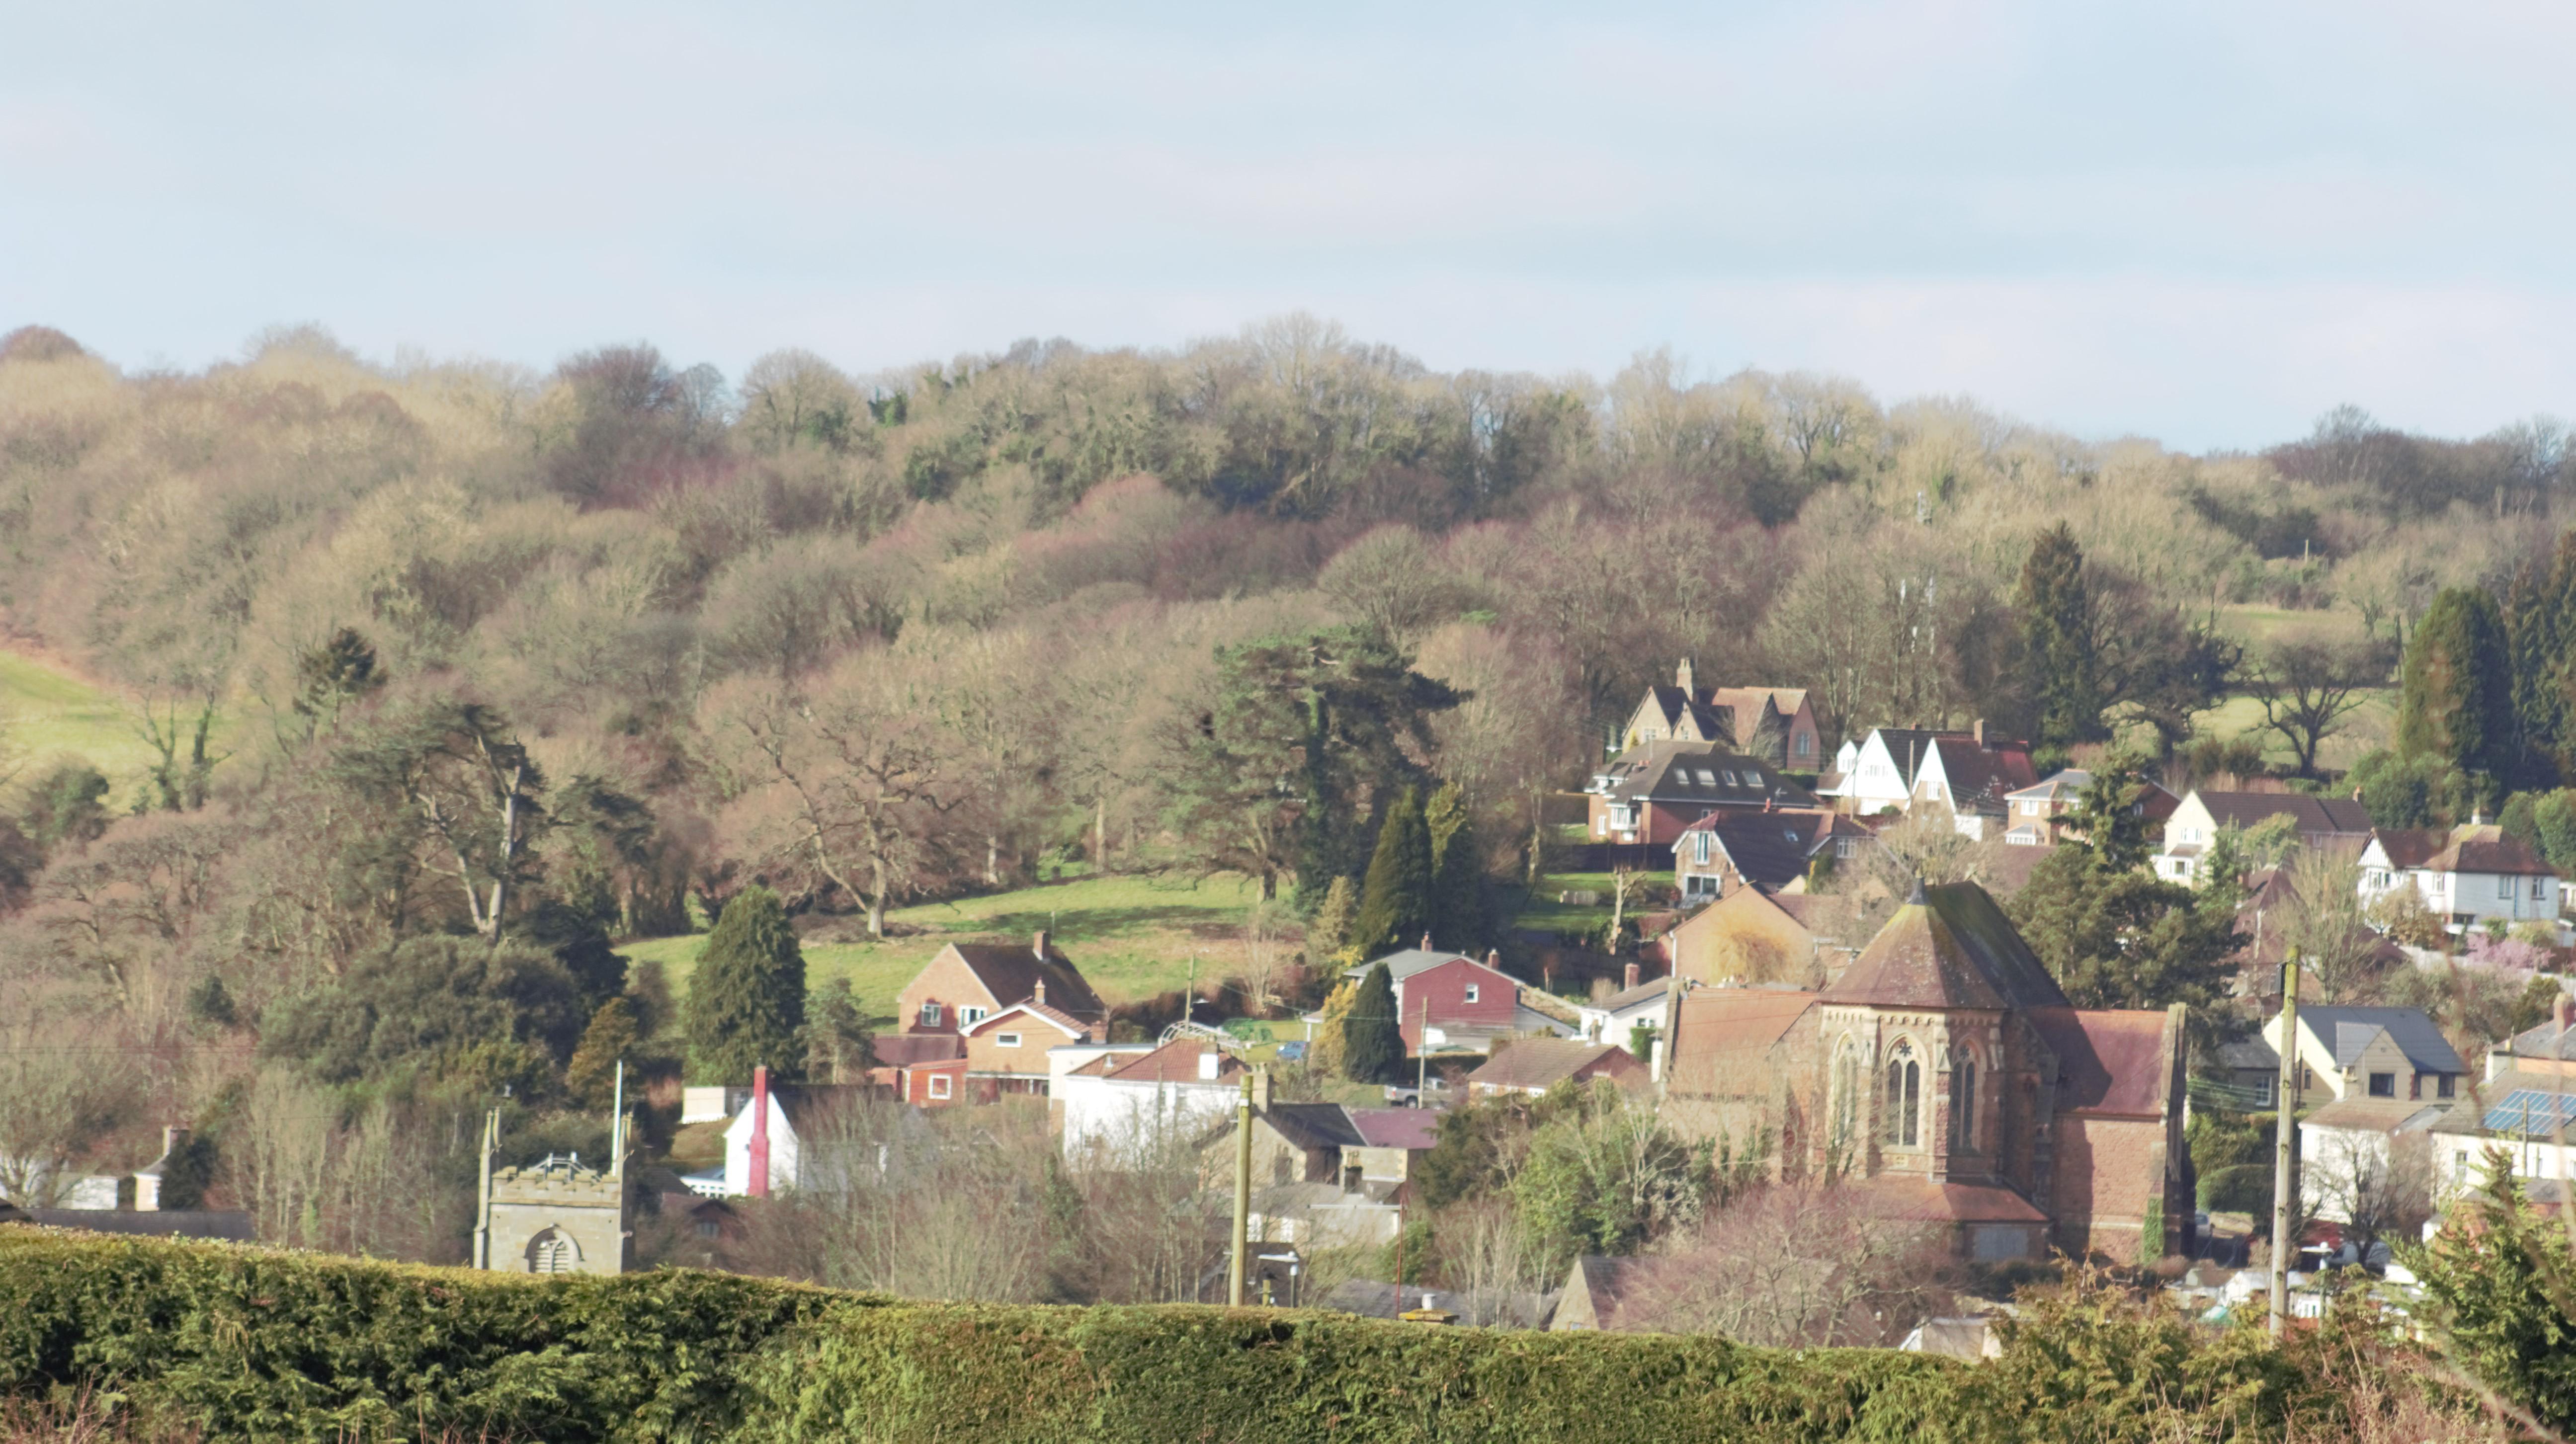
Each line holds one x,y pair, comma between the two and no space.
1948,1077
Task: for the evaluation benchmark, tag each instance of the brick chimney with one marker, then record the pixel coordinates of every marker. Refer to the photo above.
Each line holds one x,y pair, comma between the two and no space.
1037,989
1426,942
1682,676
2563,1010
1038,945
759,1182
1494,959
1628,976
1979,731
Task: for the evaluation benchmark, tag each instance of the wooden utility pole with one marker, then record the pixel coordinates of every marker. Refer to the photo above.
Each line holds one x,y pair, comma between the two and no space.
483,1192
1422,1055
1242,1193
2285,1161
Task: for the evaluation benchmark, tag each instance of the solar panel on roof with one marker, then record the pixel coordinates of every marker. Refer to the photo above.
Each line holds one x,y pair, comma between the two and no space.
2528,1110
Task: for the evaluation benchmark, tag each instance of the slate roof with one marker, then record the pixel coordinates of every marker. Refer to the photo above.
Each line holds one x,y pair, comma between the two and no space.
2485,848
2317,816
2348,1030
1011,972
1315,1125
2063,785
1686,773
1404,964
2378,1115
1982,776
1948,947
2109,1060
2546,1040
1770,848
1545,1062
1713,718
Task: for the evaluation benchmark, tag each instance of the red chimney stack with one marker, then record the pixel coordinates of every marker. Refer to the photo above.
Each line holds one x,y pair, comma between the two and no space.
1629,976
760,1131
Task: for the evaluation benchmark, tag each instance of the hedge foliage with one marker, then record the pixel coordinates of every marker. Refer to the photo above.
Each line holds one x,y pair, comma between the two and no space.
264,1344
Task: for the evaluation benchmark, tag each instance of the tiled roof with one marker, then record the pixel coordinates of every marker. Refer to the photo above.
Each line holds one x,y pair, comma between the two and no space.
2486,848
1769,847
1723,1037
1982,776
2378,1115
2317,816
2108,1060
2547,1040
1631,997
1920,1200
1412,1129
1176,1062
1950,947
1314,1125
1544,1062
2059,786
805,1102
1071,1026
903,1050
2349,1030
1011,972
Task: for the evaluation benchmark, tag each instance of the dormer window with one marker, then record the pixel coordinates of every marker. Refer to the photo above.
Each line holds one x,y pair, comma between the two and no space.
1708,778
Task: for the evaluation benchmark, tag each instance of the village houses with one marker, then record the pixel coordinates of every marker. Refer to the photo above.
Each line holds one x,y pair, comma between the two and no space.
1449,1001
2328,823
1772,724
2467,875
1895,768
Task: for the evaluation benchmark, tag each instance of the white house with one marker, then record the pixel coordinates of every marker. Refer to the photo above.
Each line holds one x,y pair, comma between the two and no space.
2194,826
1119,1101
1896,767
1612,1018
2467,874
2359,1152
799,1116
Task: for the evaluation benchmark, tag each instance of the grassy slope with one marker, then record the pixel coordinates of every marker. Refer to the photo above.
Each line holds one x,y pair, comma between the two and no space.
47,713
1132,937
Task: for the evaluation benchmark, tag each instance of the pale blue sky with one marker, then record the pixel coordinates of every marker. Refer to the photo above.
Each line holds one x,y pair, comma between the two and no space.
2202,222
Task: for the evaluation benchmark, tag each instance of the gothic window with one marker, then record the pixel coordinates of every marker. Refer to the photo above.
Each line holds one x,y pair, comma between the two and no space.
1963,1105
1901,1123
551,1253
1847,1082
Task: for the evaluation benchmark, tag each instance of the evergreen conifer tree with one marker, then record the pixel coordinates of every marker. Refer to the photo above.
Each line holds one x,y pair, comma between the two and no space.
2061,670
1329,934
1457,874
591,1077
747,998
1372,1041
2456,702
1395,901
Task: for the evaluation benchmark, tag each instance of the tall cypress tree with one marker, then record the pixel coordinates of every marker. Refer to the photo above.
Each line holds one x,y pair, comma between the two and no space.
1457,873
2061,672
747,998
1372,1040
2456,702
2540,627
1395,898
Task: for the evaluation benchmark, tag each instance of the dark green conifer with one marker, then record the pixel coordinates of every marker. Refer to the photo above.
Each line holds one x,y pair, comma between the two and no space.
2456,702
1372,1041
747,998
2060,668
1395,897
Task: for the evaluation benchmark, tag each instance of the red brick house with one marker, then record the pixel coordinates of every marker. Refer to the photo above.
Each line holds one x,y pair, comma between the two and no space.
1534,1065
1947,1075
1469,1003
964,994
1771,849
926,1069
1006,1052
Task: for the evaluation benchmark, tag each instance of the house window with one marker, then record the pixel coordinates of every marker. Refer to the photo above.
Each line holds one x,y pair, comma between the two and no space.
1006,1040
1699,849
1842,847
968,1017
550,1253
1901,1126
2504,886
2383,1085
2263,1090
1731,782
2460,1164
1806,743
930,1015
2539,889
939,1085
1709,779
1471,992
2447,1087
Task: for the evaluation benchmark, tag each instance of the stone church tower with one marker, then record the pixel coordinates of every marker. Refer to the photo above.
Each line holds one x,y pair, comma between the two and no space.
558,1216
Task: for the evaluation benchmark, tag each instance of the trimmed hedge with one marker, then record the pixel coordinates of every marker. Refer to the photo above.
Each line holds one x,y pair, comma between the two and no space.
263,1344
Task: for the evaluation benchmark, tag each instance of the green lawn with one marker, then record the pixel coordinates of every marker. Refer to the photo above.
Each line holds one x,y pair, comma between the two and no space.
47,714
1132,936
2253,623
1544,913
2365,728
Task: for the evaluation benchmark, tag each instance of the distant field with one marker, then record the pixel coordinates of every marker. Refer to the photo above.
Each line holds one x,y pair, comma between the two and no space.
1543,913
2364,729
1133,937
2251,623
45,714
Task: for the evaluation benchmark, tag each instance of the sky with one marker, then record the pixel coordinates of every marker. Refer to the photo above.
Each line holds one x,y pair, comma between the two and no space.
2205,223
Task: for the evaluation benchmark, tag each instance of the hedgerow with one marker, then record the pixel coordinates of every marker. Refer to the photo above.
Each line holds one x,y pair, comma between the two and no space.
264,1344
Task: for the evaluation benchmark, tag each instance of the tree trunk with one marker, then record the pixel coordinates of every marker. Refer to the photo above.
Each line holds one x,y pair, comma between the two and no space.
992,862
877,900
1100,833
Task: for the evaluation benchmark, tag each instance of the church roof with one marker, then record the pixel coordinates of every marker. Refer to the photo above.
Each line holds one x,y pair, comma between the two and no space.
1948,947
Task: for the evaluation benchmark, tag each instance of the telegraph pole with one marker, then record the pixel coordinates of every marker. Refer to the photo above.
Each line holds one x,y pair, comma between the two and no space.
1242,1193
1422,1056
2285,1163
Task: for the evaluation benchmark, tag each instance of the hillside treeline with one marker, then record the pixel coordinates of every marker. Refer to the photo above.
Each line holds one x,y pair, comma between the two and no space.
456,673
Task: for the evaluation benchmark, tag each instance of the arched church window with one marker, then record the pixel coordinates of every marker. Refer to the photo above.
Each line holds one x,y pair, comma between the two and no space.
1963,1104
1901,1124
1847,1088
551,1253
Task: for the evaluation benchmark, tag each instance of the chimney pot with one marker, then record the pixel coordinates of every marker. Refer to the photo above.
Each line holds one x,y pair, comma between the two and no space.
1630,975
1494,958
173,1136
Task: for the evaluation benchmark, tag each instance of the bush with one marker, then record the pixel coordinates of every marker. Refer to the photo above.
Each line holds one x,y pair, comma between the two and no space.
262,1344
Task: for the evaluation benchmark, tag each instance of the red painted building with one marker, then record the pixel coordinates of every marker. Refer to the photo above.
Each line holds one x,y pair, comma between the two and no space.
1470,1003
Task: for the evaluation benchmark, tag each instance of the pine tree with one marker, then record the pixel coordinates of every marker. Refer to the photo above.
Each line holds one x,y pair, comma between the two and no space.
747,998
2456,703
2061,670
591,1077
836,1036
1329,934
1332,1033
1457,874
2540,628
1372,1041
1395,901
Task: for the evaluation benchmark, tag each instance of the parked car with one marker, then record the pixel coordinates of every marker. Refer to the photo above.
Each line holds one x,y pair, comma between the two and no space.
1416,1097
1292,1052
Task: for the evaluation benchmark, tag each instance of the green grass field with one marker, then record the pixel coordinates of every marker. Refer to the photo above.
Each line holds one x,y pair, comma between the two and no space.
1132,936
2252,623
46,714
2366,728
1543,913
